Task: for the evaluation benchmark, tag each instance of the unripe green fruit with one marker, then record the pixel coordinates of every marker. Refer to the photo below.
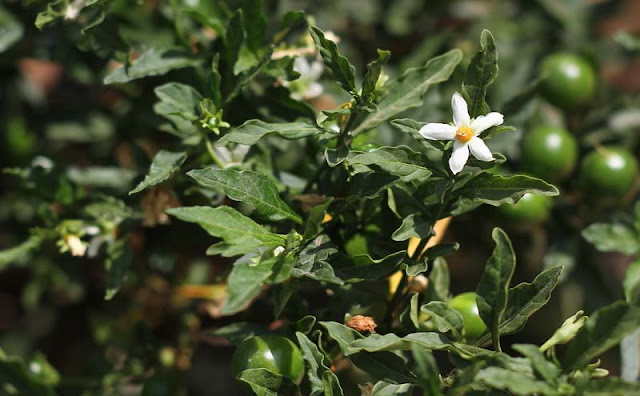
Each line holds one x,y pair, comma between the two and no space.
569,81
549,153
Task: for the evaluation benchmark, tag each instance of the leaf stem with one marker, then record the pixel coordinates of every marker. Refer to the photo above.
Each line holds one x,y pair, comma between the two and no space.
212,153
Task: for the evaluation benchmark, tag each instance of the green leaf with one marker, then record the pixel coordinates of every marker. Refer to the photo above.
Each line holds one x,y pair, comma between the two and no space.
362,267
152,62
427,371
498,190
382,388
238,231
413,227
399,161
444,318
631,283
386,366
343,71
480,74
615,237
176,100
603,330
545,369
610,386
253,130
119,257
407,91
492,290
374,69
317,368
163,165
439,281
518,383
313,264
266,383
412,127
14,372
313,224
11,30
250,187
524,300
248,275
19,252
370,184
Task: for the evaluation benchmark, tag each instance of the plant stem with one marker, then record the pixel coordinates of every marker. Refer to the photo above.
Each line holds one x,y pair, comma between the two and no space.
212,153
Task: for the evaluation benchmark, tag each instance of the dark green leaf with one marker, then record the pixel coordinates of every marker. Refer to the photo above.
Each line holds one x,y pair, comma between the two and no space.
518,383
11,30
362,267
399,161
444,318
163,165
631,283
253,130
152,62
603,330
407,91
14,372
382,388
177,100
374,69
19,252
240,234
250,187
317,368
313,224
117,265
386,366
427,371
266,383
480,74
247,277
545,369
442,249
611,386
343,72
438,288
615,237
370,184
413,227
313,264
498,190
494,284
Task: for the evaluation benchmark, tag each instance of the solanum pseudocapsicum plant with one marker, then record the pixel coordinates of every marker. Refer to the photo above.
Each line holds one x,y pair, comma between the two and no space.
282,190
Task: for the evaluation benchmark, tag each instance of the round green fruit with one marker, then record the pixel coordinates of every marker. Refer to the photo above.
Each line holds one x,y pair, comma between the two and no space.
608,172
274,353
549,153
569,81
530,209
472,324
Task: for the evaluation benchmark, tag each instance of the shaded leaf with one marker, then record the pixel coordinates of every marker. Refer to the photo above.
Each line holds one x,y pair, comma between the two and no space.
613,237
407,91
11,30
312,261
603,330
119,257
19,252
318,369
399,161
492,290
152,62
250,187
163,165
517,383
266,383
343,71
545,369
176,101
240,234
374,69
413,227
253,130
444,318
386,366
481,72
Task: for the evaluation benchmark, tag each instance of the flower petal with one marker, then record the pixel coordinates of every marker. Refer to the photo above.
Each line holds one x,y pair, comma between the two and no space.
459,157
482,123
315,89
460,110
436,131
301,65
480,150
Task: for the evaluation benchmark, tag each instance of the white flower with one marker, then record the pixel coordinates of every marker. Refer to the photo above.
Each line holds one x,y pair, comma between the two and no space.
75,245
464,132
73,10
307,85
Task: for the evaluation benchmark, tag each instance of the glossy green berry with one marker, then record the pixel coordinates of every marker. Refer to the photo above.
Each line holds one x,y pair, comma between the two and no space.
569,81
549,153
274,353
466,305
608,172
530,209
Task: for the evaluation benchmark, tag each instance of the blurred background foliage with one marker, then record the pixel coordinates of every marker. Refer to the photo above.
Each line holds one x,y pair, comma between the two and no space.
73,147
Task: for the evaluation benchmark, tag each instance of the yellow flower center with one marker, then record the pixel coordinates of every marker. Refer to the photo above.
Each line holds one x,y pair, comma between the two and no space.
464,134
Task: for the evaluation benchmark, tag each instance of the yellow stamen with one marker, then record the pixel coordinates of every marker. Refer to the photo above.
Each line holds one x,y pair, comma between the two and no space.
464,134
